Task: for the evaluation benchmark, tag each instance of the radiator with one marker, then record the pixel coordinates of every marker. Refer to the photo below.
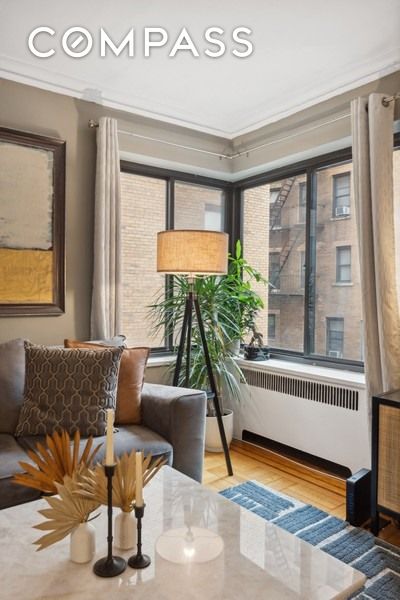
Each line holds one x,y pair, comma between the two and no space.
327,420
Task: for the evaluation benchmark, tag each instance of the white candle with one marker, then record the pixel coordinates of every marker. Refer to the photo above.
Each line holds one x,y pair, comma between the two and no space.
109,438
139,479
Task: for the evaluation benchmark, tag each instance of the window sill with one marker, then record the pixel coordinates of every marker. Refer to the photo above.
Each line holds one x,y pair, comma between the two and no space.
316,373
343,218
284,367
160,361
344,284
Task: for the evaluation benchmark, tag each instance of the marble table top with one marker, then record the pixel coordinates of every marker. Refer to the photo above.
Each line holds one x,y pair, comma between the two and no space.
250,558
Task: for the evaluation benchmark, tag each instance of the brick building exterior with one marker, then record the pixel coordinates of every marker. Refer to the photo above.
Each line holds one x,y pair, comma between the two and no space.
337,320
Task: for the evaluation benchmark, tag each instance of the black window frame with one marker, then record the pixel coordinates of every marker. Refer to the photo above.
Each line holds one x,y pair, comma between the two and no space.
171,177
308,168
339,266
234,226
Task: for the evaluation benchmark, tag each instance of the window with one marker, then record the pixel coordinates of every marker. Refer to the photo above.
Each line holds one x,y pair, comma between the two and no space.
274,270
302,272
334,268
142,201
271,326
213,217
274,208
334,337
275,253
343,264
148,205
308,264
302,201
198,207
341,194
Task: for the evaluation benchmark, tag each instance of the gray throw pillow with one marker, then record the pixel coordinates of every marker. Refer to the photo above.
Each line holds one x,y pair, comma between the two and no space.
12,377
68,389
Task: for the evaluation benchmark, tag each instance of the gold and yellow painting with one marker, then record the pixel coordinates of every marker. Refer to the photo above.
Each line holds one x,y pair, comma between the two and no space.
27,246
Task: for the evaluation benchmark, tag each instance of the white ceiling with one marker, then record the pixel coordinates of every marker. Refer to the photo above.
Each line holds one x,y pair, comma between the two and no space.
304,53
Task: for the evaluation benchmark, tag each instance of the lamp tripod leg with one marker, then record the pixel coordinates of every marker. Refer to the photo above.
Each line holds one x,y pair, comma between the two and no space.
189,338
213,386
178,364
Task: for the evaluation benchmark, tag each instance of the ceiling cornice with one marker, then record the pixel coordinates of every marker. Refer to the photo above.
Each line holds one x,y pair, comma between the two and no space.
44,78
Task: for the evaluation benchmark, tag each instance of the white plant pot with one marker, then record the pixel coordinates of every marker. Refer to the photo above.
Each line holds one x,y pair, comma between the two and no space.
125,530
213,438
83,543
234,347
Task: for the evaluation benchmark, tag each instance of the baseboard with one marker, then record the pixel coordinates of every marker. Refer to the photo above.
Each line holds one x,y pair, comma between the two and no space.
304,458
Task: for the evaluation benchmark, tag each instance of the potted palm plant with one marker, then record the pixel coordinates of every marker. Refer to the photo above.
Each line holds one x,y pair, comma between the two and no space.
229,306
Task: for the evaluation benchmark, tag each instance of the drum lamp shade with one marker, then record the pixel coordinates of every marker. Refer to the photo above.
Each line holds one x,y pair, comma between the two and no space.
192,252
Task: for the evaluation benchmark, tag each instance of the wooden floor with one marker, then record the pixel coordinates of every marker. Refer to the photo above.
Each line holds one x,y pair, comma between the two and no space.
285,475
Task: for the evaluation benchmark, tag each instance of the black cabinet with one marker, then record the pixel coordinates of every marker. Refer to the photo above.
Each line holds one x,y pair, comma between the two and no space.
385,490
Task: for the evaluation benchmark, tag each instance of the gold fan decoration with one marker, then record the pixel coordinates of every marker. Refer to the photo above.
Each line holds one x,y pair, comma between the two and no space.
66,512
94,483
54,462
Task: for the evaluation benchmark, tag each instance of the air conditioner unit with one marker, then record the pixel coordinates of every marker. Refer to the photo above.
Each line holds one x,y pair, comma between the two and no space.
335,354
342,211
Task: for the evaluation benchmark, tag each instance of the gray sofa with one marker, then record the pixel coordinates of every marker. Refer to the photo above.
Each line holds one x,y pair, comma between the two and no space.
173,424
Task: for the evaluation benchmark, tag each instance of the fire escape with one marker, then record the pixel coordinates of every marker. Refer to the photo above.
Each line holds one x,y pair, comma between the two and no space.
288,238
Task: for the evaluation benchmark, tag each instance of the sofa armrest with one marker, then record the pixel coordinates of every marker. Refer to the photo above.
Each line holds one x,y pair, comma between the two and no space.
179,415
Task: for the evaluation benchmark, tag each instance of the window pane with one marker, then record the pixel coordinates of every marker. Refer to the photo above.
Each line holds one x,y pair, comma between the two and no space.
343,264
341,195
198,207
333,304
276,252
143,214
334,337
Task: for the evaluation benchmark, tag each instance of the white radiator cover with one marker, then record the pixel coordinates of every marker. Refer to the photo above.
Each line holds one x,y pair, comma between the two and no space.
327,418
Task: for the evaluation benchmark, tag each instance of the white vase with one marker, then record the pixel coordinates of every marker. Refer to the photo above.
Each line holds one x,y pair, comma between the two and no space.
83,543
125,530
213,438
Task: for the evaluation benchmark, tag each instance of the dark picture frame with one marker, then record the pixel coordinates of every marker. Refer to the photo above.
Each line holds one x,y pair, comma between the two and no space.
55,282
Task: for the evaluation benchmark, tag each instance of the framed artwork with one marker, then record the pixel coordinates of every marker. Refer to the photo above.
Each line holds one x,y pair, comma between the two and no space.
32,224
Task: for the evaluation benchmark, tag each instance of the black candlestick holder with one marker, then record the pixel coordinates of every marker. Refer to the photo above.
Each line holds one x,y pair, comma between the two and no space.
110,565
139,560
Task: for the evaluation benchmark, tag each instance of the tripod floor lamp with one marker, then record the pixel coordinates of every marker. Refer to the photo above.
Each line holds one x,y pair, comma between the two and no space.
195,253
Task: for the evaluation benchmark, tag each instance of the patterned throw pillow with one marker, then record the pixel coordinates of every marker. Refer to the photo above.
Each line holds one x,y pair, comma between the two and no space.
68,389
130,380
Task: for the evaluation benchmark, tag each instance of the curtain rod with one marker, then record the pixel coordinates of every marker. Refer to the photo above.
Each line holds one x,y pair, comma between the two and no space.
385,101
93,124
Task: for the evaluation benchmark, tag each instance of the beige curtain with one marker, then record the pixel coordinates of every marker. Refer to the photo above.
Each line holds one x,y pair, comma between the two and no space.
106,294
372,125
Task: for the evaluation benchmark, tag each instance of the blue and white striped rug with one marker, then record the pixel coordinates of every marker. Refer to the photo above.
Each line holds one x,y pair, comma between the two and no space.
379,561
